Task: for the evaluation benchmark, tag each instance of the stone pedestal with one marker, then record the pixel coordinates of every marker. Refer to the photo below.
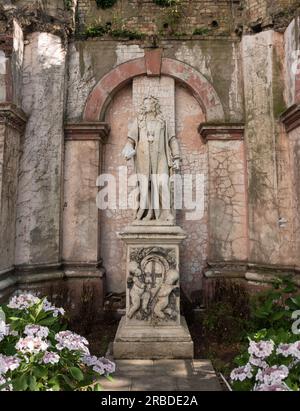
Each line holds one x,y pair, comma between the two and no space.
152,327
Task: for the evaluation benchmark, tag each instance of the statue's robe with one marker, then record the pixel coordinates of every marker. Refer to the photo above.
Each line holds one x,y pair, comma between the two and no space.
152,159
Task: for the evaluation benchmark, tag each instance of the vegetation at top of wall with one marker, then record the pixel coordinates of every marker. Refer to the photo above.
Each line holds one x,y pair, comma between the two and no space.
172,17
164,3
201,31
105,4
99,30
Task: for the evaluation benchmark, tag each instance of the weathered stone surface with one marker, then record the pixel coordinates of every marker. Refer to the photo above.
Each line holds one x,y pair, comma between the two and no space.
227,193
261,134
80,223
153,342
40,178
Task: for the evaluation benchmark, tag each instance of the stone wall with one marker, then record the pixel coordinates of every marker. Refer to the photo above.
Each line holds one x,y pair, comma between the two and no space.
208,16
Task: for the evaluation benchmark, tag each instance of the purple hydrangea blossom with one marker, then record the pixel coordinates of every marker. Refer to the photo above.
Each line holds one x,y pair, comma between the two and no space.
241,373
23,301
261,349
51,358
8,363
271,387
72,342
272,375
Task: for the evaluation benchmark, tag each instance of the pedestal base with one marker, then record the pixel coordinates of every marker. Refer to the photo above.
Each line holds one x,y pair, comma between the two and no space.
153,342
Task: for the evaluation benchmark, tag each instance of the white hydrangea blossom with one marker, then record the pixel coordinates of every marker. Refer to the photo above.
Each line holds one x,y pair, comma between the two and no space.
51,358
4,330
272,375
295,350
8,363
100,365
35,330
31,345
261,349
4,381
47,306
23,301
241,373
72,341
271,387
258,362
285,349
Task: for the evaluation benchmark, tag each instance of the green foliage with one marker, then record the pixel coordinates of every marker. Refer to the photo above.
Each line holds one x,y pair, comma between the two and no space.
271,323
99,30
228,317
201,31
29,336
172,17
105,4
164,3
272,309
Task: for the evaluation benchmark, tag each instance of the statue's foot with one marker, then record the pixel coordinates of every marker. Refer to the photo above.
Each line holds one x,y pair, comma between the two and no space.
139,214
148,216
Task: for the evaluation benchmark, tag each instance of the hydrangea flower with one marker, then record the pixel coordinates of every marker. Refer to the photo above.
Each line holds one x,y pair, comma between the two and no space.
8,363
23,301
271,387
72,341
258,362
4,381
295,350
47,306
31,345
35,330
261,349
272,375
51,358
241,373
285,349
4,330
100,365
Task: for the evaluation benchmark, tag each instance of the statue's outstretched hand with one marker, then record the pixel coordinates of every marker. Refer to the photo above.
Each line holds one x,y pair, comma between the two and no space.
128,151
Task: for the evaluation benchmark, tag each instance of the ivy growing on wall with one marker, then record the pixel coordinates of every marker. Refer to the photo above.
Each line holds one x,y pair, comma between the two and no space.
105,4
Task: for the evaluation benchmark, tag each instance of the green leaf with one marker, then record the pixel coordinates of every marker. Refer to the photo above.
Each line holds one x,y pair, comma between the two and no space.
20,384
296,300
98,387
278,315
76,373
110,378
40,372
32,383
68,381
48,321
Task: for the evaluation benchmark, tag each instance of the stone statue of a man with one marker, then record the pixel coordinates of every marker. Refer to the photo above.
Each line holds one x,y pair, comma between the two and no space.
156,154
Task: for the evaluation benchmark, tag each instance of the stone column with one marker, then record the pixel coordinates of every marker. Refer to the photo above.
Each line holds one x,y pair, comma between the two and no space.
38,236
81,231
228,226
291,121
12,125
